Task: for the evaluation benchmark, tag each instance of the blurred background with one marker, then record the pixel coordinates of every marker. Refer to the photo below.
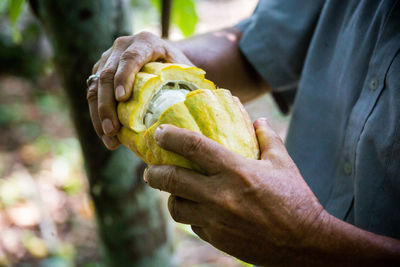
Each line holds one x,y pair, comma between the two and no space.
47,216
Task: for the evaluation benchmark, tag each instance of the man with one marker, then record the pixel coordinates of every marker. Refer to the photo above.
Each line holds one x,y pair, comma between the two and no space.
342,60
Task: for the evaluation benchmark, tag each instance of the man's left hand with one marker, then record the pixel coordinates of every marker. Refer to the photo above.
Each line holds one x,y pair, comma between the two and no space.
260,211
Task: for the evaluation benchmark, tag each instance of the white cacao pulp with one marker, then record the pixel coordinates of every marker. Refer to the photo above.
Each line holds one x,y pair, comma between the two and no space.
168,95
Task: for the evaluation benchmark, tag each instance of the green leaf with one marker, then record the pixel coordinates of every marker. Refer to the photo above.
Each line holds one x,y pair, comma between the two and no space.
15,7
184,16
157,4
15,10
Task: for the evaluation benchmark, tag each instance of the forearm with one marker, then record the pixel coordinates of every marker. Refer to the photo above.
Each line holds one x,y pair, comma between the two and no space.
219,55
341,244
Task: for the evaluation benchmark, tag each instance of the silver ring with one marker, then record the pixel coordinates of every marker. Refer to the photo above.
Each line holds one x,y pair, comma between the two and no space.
91,77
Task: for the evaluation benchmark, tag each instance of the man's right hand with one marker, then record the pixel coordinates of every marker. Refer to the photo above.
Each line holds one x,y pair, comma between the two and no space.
116,69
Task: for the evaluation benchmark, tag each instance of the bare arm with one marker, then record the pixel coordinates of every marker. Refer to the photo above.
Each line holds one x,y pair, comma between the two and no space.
343,244
219,55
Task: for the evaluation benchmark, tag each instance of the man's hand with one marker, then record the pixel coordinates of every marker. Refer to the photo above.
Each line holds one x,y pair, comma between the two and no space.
260,211
255,210
216,52
117,68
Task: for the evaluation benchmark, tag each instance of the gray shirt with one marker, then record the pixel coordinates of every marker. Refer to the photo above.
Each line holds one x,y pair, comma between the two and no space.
342,60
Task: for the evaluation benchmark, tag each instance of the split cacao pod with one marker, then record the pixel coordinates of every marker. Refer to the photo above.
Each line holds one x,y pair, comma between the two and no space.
165,93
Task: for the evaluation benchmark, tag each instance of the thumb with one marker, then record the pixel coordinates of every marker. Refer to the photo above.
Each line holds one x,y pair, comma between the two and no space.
271,145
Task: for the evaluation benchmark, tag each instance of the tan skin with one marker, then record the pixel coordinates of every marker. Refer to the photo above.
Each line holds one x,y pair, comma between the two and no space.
260,211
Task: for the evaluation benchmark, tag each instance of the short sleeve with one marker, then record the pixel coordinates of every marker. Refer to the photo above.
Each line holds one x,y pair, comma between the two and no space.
276,38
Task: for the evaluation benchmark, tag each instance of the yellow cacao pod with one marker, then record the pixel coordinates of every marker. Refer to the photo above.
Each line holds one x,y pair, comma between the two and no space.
176,94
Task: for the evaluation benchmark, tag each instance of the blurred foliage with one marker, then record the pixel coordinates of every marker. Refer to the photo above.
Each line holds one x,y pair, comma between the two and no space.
35,245
183,15
21,36
9,114
42,180
21,41
15,7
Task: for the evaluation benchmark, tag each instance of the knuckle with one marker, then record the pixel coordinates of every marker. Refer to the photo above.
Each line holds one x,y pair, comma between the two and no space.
103,110
173,209
105,53
267,163
145,35
170,179
121,40
122,75
91,94
274,153
95,67
158,52
130,55
227,201
276,139
192,145
107,75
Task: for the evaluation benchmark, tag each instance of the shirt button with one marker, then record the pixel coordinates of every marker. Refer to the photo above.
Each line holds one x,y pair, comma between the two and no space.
373,84
347,168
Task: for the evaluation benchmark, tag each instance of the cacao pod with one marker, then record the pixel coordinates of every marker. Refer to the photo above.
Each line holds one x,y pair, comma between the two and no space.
165,93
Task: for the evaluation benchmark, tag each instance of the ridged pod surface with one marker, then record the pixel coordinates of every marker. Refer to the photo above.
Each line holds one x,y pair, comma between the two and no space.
213,112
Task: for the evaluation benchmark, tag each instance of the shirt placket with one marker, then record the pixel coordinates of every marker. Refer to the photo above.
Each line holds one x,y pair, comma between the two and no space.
343,189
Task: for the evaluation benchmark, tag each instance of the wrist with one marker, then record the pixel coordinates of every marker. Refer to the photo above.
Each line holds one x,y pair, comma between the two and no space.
315,242
320,228
332,241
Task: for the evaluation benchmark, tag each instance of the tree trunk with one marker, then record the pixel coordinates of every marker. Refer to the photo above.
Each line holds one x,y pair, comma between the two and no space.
130,219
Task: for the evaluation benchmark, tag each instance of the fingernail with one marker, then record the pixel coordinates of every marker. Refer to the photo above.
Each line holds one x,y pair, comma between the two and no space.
145,173
119,92
158,132
108,141
108,126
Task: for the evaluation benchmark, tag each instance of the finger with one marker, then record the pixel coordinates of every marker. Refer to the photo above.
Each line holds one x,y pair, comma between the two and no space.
174,55
92,97
200,232
92,93
110,142
145,48
92,101
96,67
271,145
207,153
106,100
180,182
186,211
